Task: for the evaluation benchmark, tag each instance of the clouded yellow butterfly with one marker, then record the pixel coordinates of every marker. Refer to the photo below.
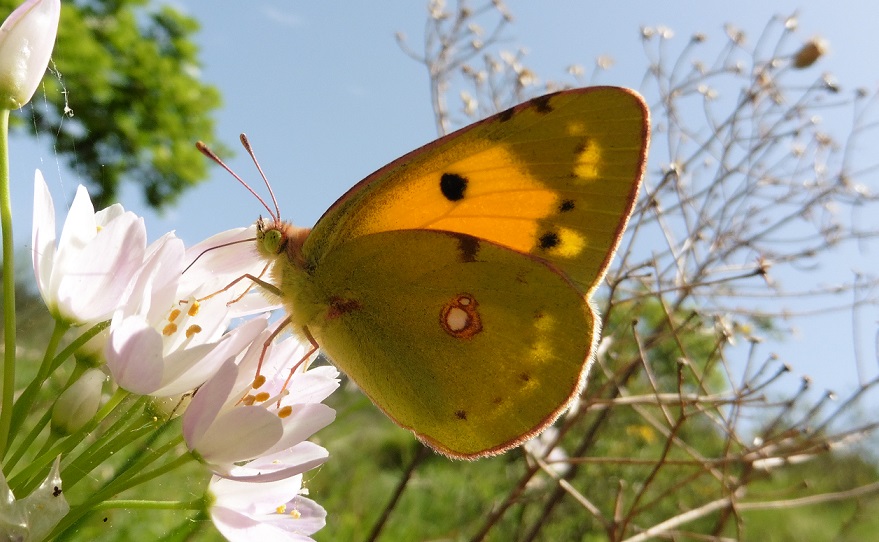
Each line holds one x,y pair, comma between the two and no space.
453,285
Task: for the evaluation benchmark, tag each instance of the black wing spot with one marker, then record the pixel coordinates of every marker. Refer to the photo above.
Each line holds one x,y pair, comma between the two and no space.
460,414
504,116
453,186
542,104
468,248
549,240
567,205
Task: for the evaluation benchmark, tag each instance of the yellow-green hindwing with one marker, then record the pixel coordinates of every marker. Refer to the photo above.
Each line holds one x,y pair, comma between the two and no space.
471,345
555,177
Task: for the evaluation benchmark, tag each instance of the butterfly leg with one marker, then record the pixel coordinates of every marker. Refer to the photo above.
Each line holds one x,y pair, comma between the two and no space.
259,380
271,288
312,350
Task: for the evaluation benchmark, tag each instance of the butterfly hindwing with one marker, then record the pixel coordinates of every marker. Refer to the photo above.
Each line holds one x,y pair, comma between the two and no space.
473,346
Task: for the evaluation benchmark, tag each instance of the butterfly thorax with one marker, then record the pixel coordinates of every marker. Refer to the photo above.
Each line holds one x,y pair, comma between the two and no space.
280,243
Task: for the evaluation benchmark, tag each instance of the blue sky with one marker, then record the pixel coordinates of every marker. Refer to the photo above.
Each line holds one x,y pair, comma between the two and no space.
327,97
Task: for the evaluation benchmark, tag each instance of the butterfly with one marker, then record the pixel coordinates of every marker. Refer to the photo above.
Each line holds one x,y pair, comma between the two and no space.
453,285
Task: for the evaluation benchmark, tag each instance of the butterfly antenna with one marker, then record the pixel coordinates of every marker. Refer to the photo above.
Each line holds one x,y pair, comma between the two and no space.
203,148
246,144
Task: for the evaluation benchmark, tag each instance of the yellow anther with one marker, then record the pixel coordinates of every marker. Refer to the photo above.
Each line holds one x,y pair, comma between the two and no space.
193,309
192,330
262,397
169,330
281,509
285,411
258,382
248,400
173,315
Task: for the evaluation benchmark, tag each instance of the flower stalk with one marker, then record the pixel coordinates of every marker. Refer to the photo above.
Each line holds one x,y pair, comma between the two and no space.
9,324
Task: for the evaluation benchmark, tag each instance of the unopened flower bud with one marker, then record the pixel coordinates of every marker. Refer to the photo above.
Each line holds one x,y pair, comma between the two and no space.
79,403
27,37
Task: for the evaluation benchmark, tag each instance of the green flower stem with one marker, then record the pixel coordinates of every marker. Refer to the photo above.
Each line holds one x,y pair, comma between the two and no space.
26,400
28,477
24,444
129,504
28,396
116,486
8,287
52,436
127,427
109,445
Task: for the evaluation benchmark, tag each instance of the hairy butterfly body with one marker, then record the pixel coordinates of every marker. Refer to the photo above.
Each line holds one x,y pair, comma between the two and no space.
453,285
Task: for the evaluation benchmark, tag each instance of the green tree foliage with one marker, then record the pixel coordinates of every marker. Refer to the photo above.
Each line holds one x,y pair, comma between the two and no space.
125,100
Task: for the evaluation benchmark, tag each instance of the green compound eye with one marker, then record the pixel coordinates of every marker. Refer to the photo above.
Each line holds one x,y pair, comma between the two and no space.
271,241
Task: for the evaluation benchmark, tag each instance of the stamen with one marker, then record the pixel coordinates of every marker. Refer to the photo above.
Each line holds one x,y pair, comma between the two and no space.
192,330
169,330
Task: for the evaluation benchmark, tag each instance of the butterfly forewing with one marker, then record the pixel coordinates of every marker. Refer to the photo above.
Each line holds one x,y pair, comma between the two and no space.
555,177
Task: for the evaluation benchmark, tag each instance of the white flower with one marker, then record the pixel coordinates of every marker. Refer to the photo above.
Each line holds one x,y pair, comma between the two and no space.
83,280
163,341
228,422
26,41
244,511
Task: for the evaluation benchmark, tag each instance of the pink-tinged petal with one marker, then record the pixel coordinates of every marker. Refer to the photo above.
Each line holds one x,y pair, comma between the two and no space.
105,216
43,238
281,465
103,269
187,369
264,511
254,498
190,368
312,386
79,227
237,527
134,356
311,517
154,288
207,402
240,434
304,421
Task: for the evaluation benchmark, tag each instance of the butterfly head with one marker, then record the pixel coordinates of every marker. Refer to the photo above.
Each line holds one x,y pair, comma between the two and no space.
275,238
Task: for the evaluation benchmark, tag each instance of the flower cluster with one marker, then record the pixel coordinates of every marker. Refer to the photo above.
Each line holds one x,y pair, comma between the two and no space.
166,326
170,335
